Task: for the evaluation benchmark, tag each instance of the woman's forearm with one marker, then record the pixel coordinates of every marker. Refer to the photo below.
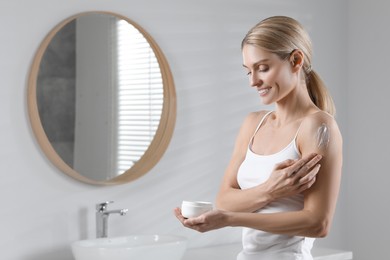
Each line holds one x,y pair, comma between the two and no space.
248,200
295,223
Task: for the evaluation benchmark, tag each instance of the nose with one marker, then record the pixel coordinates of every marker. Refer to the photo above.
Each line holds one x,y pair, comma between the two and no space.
255,80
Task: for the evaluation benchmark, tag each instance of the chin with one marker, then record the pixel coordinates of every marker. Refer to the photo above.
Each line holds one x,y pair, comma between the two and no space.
266,101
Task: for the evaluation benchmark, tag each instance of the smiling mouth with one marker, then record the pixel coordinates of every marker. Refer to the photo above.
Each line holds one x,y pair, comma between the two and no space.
263,91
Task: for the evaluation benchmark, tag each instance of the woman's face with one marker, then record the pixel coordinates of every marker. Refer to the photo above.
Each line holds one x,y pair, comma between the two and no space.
273,77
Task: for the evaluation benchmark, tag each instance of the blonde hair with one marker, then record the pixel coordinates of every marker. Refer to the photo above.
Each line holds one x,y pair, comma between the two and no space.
282,35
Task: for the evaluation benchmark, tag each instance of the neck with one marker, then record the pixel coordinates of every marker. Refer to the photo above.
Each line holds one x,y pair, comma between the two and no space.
295,105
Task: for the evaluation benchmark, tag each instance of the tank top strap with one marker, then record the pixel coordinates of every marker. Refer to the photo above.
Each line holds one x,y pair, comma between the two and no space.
260,123
296,134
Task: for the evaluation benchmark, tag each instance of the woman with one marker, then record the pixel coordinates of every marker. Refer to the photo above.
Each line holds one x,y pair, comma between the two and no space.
283,202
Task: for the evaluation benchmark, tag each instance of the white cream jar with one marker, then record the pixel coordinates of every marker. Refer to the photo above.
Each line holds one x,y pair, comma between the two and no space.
192,209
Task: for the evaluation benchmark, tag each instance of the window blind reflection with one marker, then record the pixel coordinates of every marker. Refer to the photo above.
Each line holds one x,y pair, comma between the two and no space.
140,95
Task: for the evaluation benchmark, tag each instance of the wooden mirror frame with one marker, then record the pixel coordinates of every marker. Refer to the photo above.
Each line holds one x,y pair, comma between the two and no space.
163,134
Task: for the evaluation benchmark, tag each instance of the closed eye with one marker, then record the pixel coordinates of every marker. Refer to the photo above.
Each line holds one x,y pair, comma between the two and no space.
259,68
263,68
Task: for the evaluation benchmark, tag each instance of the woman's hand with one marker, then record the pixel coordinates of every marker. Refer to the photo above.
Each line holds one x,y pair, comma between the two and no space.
210,220
288,178
292,177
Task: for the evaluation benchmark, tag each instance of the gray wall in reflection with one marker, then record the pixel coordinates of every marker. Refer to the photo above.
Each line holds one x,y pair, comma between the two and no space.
56,91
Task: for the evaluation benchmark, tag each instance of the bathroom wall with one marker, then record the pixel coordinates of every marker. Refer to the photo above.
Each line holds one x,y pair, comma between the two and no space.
43,210
368,129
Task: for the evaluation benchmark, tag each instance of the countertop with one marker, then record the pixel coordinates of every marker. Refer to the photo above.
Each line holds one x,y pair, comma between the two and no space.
230,251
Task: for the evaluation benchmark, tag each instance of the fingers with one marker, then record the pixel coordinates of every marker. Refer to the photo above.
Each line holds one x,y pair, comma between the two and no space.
304,165
191,222
309,179
293,166
183,220
312,174
307,185
195,221
179,216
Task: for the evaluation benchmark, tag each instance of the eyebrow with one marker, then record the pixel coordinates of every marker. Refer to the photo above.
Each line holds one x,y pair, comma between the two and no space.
256,63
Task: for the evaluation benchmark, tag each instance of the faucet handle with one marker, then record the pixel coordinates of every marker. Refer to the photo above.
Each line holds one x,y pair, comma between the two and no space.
103,206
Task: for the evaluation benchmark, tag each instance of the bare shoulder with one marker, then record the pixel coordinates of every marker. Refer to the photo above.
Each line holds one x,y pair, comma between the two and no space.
319,131
317,120
250,123
253,119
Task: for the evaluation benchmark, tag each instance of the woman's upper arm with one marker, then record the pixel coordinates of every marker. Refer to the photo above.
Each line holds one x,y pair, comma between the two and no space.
239,151
321,134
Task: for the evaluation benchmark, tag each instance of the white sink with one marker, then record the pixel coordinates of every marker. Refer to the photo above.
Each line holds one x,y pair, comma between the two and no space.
145,247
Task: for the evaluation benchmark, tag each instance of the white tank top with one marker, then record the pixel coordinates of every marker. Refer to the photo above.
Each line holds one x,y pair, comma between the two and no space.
257,244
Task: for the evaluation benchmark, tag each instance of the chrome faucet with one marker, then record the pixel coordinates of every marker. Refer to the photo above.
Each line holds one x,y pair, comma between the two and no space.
102,215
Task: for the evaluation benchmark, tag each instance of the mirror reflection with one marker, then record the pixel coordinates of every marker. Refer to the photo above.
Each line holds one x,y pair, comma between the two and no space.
100,94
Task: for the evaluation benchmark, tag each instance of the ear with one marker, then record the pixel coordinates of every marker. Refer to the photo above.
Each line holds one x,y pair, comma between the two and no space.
296,60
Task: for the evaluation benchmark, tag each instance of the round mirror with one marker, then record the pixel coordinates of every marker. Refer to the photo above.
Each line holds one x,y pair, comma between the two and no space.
101,98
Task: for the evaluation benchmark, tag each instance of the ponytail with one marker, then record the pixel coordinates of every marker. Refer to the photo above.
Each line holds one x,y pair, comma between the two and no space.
319,94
